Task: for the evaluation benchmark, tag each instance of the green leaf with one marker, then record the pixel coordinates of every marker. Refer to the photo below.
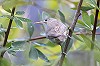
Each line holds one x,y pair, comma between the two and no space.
33,53
8,44
87,41
24,19
7,16
6,9
92,19
18,44
18,22
74,8
20,12
86,8
70,45
12,51
51,44
86,19
2,30
62,17
81,23
98,24
30,28
78,38
92,3
42,56
39,44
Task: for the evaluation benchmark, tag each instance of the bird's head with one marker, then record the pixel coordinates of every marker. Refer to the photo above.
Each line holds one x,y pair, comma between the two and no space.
47,22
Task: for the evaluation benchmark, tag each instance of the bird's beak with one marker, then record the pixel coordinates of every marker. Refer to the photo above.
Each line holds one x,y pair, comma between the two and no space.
41,22
38,23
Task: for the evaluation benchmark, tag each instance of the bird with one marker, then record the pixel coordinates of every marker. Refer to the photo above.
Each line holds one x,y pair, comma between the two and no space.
55,30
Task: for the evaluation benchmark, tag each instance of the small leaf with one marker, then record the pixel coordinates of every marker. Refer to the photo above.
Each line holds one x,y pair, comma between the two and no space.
86,19
18,23
86,39
8,44
39,44
92,18
76,37
12,51
2,30
7,16
6,8
92,3
30,28
24,19
42,56
74,8
33,53
86,8
70,45
20,12
51,44
81,23
62,17
18,43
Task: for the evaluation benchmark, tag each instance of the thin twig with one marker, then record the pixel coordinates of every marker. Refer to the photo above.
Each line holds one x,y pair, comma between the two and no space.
95,24
70,33
36,38
8,30
43,37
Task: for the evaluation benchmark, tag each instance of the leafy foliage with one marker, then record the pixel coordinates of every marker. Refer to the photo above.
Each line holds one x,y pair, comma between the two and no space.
35,53
30,28
44,48
20,12
62,17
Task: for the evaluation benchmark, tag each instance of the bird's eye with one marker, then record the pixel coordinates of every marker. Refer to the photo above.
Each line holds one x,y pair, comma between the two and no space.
45,20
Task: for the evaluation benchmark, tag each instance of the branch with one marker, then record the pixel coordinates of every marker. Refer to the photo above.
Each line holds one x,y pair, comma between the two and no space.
8,30
70,33
36,38
95,24
43,37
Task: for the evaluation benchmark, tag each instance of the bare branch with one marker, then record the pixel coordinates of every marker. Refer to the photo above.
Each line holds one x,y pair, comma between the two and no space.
70,33
95,24
8,30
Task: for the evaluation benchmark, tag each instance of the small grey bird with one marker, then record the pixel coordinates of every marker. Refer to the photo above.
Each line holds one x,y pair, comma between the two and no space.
55,30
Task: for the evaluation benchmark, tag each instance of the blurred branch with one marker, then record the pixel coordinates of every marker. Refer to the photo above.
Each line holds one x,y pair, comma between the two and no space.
70,33
8,30
95,24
